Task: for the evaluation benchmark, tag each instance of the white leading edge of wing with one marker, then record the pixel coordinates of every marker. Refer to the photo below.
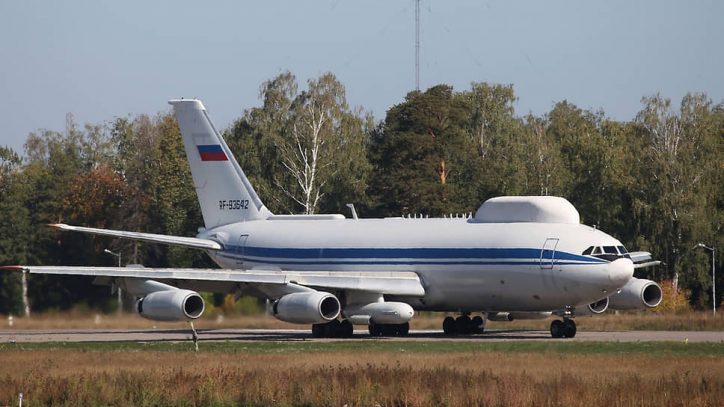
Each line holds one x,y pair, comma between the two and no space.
643,260
191,242
392,283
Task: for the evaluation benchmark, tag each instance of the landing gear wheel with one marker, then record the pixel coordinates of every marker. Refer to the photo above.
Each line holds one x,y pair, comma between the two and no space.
463,324
557,328
346,329
448,326
478,324
318,330
569,328
376,329
389,329
331,329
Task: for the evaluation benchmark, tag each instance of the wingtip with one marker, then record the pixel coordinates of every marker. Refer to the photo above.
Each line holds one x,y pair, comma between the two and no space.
58,225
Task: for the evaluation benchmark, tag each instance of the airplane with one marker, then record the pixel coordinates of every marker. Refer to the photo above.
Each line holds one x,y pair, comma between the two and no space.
518,257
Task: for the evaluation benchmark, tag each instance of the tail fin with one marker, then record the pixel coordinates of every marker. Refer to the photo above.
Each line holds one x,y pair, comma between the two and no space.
224,192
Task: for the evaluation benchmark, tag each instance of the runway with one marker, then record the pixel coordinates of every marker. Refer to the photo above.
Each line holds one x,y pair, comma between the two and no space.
272,335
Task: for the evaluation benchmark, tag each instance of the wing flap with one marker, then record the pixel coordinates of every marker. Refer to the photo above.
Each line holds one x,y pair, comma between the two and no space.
391,283
191,242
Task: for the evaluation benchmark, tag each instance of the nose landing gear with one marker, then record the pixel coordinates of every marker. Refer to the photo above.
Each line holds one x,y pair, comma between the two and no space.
563,329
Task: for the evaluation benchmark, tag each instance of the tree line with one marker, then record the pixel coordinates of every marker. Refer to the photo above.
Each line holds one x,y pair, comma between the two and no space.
654,182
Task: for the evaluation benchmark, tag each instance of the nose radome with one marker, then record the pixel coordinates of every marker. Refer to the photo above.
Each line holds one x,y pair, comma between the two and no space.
620,271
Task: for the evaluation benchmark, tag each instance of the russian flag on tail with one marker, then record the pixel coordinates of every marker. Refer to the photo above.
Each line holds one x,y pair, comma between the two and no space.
212,152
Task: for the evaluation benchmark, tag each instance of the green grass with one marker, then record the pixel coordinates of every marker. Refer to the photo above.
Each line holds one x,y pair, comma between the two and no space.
650,349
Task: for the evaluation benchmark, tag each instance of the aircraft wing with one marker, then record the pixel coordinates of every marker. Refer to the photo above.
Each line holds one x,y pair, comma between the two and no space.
643,259
391,283
191,242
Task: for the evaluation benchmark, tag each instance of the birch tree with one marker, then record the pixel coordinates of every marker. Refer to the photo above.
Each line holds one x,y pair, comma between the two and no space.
14,228
677,162
304,143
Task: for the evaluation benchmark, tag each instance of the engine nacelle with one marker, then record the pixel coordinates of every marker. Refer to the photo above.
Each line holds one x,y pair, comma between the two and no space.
636,294
379,313
171,305
598,307
314,307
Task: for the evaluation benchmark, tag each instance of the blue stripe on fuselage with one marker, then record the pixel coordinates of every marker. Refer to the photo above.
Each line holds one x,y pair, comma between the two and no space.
403,255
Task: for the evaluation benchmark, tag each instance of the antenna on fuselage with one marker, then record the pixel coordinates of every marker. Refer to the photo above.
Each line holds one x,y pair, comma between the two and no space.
354,211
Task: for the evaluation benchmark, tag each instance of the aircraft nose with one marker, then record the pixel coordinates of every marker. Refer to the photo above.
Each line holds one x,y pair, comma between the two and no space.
620,271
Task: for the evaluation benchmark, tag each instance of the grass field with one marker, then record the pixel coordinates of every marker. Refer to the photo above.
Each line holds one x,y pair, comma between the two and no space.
364,374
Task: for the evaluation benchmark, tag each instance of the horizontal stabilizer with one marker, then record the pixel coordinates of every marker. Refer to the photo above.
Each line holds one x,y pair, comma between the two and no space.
191,242
389,283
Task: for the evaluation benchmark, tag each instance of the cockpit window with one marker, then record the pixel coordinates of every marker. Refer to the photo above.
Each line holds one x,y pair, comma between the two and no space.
609,253
610,249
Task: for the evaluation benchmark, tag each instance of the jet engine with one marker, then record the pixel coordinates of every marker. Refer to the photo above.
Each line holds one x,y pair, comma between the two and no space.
312,307
598,307
636,294
379,313
171,305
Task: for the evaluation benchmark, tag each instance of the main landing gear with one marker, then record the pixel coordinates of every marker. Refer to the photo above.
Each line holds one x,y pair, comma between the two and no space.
344,329
463,325
389,329
563,329
333,329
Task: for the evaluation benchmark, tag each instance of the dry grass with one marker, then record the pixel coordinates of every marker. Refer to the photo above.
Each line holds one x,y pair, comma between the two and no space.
689,321
387,378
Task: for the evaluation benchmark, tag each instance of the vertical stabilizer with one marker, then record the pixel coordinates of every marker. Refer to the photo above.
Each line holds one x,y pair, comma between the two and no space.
224,192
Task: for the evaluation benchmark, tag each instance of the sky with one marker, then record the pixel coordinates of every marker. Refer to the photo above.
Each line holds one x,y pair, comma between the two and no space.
105,59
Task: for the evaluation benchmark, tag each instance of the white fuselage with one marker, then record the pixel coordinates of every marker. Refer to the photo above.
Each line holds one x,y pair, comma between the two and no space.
464,265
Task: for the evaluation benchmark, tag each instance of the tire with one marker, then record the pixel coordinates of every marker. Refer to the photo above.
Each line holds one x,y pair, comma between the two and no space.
389,329
346,329
557,329
463,324
569,328
448,326
317,330
376,330
478,324
331,329
403,329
